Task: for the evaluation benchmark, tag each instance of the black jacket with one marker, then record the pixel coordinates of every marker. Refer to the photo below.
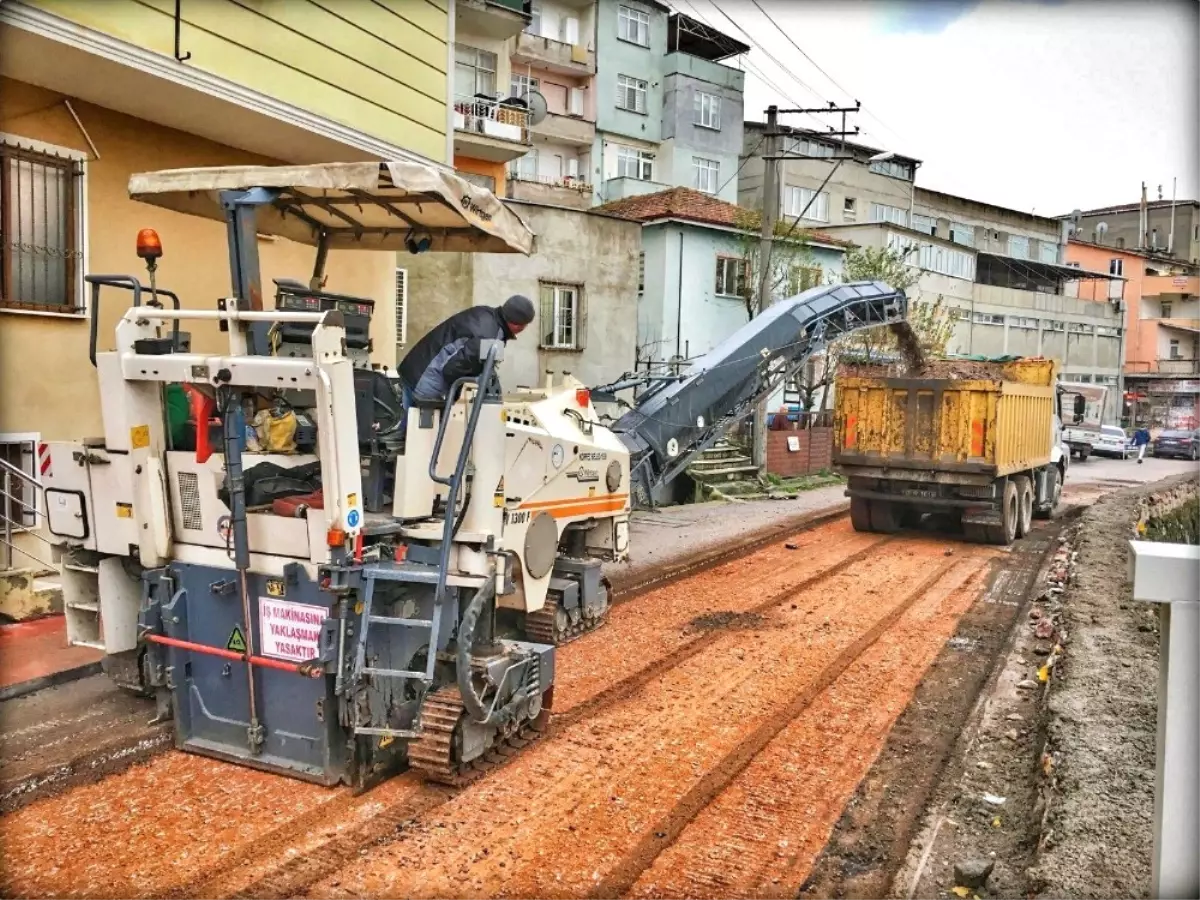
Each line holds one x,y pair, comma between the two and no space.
453,346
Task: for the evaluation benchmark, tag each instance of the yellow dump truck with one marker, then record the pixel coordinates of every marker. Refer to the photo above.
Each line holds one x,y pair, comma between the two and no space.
979,442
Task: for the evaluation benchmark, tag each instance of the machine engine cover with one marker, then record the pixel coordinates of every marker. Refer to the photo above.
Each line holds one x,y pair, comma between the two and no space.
541,545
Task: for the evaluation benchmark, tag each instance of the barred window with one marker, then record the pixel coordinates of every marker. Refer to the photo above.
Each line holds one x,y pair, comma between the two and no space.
40,229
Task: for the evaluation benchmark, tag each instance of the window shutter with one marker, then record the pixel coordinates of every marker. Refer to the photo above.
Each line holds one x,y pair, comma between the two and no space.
575,102
572,168
401,307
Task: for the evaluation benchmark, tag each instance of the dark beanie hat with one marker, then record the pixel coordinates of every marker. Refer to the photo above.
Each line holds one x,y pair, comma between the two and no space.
517,310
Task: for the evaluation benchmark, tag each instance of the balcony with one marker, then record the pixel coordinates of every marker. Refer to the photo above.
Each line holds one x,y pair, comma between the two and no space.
486,129
554,56
1155,285
704,70
569,192
1163,367
620,188
499,19
565,130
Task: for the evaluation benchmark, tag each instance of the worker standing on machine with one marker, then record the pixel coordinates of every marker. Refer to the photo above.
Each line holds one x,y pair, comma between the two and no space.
451,350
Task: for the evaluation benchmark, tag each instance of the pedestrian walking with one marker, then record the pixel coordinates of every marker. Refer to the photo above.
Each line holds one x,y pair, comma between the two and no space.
1141,439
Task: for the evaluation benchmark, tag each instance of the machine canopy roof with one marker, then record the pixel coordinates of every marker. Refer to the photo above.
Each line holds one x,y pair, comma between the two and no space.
359,206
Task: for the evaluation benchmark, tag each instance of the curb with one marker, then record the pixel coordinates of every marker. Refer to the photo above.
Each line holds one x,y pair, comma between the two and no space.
21,688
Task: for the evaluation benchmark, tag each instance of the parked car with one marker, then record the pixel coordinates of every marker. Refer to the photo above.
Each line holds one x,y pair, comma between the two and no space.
1113,441
1178,444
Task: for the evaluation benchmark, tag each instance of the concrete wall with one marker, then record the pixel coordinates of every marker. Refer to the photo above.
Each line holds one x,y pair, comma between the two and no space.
683,139
599,253
47,385
991,223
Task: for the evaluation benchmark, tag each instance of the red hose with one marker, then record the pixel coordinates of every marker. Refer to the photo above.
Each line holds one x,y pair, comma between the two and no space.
232,654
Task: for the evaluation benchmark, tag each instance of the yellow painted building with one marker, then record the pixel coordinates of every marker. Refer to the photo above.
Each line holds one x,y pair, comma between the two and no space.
92,91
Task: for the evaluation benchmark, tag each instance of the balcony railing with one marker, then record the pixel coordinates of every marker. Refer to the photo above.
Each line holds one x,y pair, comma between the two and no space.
482,115
1163,367
546,51
568,192
1154,285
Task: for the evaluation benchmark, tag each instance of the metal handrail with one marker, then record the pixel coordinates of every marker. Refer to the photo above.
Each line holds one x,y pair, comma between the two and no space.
7,498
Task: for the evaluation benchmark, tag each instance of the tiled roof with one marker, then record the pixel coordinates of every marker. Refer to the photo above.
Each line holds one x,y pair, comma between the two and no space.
695,206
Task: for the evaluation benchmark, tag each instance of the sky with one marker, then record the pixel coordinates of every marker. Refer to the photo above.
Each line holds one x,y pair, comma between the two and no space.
1039,105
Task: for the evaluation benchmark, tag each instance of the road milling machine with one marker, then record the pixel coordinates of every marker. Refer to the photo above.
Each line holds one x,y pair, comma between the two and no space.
316,575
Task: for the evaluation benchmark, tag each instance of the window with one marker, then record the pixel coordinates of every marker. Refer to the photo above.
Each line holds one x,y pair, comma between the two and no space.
988,319
1107,331
631,94
849,206
923,224
41,229
893,169
520,85
1023,322
483,181
525,168
1115,266
706,174
731,276
1049,252
641,273
1175,354
806,147
634,163
1018,247
934,257
21,452
401,307
814,206
535,21
962,234
1165,305
1079,328
894,214
801,278
1120,243
633,25
708,110
1056,326
959,314
474,71
562,318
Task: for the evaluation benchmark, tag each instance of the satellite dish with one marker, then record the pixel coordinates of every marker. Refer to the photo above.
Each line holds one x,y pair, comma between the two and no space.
537,107
1102,228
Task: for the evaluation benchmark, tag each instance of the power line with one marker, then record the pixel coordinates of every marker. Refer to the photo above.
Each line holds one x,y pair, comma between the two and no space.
742,164
817,66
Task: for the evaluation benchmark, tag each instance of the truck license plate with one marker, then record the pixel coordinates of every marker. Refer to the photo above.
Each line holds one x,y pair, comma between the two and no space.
918,492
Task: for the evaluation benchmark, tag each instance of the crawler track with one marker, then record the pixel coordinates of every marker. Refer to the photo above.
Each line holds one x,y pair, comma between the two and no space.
656,715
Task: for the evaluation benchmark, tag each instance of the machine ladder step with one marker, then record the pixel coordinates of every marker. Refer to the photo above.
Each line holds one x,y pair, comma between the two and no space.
394,673
404,733
392,620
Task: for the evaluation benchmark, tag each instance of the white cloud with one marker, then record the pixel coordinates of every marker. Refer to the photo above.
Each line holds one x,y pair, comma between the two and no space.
1027,105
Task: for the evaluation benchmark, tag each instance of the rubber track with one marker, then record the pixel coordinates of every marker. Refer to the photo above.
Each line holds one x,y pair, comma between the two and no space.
622,878
299,873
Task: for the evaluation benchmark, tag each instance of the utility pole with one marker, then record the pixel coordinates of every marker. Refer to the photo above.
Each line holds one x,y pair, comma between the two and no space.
772,199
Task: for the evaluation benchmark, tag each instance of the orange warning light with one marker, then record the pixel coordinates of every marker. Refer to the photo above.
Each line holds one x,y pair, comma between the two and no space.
583,396
148,244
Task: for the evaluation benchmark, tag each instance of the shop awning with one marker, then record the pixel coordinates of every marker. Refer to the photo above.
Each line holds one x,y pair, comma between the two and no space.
357,206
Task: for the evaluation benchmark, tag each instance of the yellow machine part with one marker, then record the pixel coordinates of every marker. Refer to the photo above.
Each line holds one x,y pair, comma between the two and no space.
999,425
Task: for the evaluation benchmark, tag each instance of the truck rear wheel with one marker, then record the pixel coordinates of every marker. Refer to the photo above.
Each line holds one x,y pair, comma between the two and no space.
1010,513
885,516
1024,505
860,513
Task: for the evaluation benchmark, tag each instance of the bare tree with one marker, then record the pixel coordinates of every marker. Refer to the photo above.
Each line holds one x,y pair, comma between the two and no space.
793,268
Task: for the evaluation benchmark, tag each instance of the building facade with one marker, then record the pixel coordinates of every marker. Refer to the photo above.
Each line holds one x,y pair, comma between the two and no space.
1170,228
1162,329
583,280
668,111
91,93
694,263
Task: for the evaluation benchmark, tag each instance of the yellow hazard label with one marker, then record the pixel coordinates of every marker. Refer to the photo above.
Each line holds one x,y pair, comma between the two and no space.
124,510
592,491
276,587
351,501
385,740
237,641
139,437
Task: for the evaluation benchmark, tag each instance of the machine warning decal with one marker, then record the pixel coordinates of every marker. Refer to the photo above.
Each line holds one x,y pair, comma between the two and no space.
556,456
237,641
352,500
498,494
518,517
276,587
352,518
139,436
124,510
290,631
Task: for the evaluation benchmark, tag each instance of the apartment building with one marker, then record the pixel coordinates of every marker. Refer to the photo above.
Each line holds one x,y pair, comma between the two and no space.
91,93
668,109
1166,228
1162,330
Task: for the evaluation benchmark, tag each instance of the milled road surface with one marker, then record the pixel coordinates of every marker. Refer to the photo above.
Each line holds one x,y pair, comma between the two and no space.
703,743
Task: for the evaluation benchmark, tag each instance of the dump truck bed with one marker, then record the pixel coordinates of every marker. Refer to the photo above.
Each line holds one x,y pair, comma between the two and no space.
957,419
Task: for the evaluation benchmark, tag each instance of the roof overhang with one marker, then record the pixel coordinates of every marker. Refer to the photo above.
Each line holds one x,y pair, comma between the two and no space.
56,54
351,206
730,229
1050,270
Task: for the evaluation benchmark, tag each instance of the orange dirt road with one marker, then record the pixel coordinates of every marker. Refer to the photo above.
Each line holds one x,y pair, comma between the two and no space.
703,743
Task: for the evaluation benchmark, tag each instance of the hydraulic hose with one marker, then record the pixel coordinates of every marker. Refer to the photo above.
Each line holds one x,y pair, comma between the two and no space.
466,637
